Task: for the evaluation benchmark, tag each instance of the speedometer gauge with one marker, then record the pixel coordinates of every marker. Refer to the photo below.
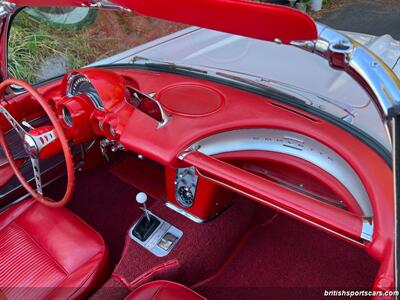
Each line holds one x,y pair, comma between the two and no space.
79,84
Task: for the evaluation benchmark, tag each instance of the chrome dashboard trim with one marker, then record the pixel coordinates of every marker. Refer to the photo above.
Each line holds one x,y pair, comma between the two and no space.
74,77
150,96
183,212
290,143
285,211
367,229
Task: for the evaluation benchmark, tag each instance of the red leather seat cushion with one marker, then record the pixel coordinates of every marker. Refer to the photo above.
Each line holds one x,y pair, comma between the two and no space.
163,290
48,253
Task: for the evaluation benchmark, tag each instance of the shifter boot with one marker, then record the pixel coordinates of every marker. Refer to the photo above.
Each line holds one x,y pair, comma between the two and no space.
144,228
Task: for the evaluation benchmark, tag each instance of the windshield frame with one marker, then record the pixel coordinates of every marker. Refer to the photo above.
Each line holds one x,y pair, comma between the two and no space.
296,103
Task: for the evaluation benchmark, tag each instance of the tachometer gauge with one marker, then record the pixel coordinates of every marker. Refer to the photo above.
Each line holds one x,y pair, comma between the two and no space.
79,84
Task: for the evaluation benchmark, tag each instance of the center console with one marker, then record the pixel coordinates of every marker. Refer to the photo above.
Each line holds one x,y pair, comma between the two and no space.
193,196
153,233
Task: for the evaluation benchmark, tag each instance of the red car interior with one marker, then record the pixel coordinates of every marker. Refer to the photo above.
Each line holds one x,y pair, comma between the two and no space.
49,148
103,195
49,248
163,290
259,221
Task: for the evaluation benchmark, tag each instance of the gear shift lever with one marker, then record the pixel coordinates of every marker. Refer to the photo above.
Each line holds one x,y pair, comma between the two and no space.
141,198
148,223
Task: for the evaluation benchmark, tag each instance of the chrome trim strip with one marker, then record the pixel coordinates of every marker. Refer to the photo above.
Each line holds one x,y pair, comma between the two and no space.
20,199
183,212
360,63
164,115
7,8
367,229
286,142
396,203
280,209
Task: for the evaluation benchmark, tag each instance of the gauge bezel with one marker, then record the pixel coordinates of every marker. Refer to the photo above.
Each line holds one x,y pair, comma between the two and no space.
77,78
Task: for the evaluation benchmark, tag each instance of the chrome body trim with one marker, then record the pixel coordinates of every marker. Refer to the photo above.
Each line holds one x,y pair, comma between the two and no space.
360,63
106,5
286,142
183,212
367,229
396,204
7,8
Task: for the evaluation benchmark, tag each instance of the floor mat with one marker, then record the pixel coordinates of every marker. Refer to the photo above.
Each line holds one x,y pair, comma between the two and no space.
105,202
289,260
201,251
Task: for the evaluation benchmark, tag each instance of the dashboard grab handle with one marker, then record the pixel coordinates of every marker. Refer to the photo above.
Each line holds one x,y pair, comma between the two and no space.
300,206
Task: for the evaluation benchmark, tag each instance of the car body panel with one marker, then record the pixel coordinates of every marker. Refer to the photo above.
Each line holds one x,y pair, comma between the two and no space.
203,47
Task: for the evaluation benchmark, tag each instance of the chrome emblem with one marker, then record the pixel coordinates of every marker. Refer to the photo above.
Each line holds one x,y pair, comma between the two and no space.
30,146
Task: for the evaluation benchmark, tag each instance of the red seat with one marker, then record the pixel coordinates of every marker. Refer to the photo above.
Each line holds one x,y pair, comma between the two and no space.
163,290
48,253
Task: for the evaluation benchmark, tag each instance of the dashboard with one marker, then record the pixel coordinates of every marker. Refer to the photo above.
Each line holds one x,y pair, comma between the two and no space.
214,140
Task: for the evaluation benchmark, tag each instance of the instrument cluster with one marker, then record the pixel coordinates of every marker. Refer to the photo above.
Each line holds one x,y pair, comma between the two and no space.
100,102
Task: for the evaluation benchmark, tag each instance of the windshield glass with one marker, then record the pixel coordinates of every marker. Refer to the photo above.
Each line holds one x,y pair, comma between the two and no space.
46,42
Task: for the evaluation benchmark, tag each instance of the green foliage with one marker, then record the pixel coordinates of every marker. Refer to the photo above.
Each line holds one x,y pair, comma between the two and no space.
31,43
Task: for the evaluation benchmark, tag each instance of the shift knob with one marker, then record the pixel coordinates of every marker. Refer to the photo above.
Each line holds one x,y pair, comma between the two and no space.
141,198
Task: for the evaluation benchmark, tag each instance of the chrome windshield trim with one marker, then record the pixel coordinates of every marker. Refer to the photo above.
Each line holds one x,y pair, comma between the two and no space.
7,8
361,64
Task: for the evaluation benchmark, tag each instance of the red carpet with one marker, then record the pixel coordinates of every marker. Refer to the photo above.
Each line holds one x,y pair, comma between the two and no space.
289,260
145,175
202,250
281,260
105,202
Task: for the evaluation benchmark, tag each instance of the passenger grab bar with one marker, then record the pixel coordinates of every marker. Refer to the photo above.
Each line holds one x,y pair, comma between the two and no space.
300,206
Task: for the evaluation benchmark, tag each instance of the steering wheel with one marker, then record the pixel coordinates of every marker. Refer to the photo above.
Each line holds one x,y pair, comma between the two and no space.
35,143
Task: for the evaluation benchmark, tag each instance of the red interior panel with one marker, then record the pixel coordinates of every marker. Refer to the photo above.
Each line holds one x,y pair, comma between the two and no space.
190,100
267,192
256,20
240,109
296,174
210,199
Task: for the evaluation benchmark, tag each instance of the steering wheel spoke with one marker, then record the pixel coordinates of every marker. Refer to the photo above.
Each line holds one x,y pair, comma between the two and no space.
35,143
37,175
20,130
36,140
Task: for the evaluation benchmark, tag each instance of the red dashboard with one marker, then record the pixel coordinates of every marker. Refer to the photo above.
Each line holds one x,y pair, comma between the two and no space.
162,116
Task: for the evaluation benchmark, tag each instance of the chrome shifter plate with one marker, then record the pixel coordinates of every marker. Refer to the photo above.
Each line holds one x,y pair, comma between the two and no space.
162,240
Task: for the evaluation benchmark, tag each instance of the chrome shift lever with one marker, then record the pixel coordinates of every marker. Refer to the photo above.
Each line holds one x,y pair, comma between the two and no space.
141,199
